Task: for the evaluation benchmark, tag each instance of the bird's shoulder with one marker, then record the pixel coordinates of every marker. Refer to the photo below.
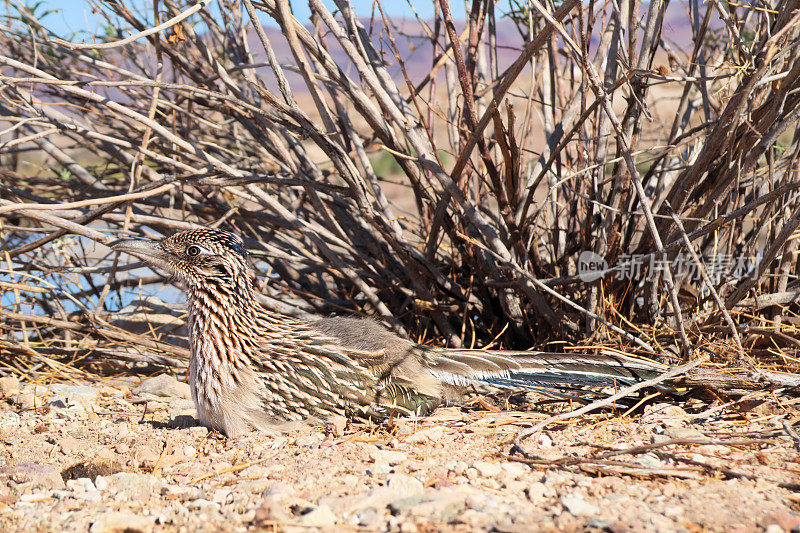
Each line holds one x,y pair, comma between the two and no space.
360,333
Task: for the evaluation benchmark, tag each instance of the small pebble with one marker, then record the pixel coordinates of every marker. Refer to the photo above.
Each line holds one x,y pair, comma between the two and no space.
9,386
9,421
536,492
390,457
577,506
100,483
321,517
683,433
487,469
165,386
121,522
122,448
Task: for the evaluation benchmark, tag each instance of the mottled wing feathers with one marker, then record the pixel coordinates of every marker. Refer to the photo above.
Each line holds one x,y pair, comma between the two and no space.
324,376
356,366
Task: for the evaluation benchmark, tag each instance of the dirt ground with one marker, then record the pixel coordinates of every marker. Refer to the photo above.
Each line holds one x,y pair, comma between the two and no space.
128,457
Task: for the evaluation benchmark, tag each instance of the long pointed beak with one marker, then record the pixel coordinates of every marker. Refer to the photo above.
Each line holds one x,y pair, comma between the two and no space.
140,247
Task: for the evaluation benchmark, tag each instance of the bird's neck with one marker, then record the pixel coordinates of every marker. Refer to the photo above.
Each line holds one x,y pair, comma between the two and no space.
220,311
231,311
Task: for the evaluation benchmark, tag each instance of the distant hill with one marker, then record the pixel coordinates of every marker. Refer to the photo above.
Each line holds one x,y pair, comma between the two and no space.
417,53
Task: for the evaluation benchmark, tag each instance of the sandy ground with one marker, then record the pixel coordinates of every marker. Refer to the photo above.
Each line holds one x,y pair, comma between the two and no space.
128,457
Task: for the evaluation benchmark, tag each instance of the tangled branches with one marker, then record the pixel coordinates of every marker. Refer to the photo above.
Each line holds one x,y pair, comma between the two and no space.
462,201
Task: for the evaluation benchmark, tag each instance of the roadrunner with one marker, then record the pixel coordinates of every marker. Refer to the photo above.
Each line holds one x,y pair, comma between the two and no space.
251,367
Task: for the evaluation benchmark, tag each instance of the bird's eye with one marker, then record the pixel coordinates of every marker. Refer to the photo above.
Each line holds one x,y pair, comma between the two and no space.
193,250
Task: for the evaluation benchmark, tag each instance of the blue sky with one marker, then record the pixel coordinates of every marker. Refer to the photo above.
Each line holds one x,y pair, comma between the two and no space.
76,15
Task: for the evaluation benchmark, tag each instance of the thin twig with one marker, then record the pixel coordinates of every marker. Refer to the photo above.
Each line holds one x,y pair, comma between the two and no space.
201,4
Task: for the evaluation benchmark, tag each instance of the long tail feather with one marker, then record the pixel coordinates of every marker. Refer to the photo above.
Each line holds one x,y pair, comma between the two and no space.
538,370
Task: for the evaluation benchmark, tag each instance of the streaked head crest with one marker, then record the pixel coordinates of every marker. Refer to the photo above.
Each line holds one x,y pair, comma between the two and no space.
214,241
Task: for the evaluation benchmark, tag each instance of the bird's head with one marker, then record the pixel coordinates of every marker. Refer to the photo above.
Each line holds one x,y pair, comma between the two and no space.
200,258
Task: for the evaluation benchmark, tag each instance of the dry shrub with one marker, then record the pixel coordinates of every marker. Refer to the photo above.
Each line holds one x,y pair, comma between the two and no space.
451,201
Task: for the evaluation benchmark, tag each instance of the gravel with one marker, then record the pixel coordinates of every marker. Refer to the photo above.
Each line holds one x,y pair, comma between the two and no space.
103,458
